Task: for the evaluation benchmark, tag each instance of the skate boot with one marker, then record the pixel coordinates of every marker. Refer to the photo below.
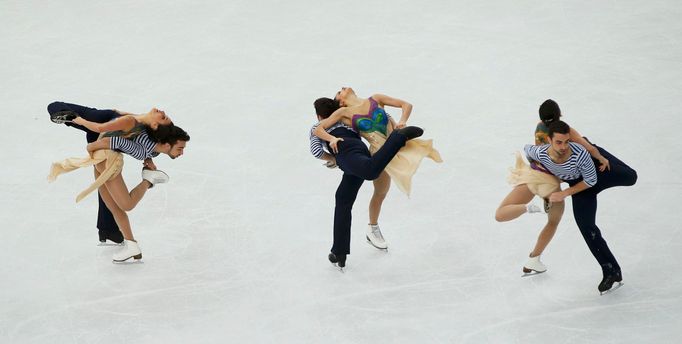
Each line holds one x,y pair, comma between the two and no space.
338,260
532,208
375,238
130,250
154,176
533,266
547,205
411,132
61,117
606,285
110,238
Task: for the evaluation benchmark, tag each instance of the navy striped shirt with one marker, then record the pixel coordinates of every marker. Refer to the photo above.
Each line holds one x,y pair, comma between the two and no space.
317,145
140,147
579,164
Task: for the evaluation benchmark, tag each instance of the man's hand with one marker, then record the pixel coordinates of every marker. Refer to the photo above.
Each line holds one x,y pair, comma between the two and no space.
557,197
149,164
400,125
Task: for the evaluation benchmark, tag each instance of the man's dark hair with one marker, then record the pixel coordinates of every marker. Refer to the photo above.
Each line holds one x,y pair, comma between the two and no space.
549,112
169,133
324,107
558,127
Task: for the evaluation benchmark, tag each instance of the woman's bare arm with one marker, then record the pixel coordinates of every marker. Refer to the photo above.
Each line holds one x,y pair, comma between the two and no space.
398,103
594,152
121,123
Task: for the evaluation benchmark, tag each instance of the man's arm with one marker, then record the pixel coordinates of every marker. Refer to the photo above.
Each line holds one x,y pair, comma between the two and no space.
318,151
129,147
103,143
587,171
531,152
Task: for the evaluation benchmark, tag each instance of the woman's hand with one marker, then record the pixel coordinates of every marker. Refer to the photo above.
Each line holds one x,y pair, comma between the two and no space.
333,144
604,164
400,125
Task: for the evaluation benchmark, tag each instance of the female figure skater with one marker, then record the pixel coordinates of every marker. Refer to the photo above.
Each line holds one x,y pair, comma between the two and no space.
534,180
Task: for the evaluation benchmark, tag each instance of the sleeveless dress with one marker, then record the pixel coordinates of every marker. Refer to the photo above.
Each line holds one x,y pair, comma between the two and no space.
373,126
539,181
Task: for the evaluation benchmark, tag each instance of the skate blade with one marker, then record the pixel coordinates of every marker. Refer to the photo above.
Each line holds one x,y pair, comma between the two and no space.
385,249
532,273
614,287
136,259
109,243
341,269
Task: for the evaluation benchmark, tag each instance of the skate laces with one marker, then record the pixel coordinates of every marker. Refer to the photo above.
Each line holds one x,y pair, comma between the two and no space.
376,232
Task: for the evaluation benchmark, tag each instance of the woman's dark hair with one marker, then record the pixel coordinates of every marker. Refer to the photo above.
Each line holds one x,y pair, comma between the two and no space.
167,133
558,127
549,112
324,107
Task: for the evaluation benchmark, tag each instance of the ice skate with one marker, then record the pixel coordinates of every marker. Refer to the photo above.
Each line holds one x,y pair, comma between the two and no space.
130,250
533,267
338,261
154,176
375,238
610,283
532,208
62,117
110,239
411,132
546,205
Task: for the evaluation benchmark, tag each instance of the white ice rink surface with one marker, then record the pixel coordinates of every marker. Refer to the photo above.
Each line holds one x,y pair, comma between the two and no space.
235,245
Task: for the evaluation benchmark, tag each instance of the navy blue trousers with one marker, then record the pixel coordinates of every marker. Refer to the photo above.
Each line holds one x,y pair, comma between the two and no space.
357,165
585,208
105,220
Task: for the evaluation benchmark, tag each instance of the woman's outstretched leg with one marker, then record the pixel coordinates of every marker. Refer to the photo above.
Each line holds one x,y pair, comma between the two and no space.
119,192
514,205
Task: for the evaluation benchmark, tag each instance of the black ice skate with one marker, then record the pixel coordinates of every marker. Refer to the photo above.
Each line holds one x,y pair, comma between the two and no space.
411,132
607,284
110,238
338,260
61,117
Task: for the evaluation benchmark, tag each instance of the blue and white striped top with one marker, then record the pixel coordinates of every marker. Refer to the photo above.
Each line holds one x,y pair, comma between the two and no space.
140,147
578,165
317,145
